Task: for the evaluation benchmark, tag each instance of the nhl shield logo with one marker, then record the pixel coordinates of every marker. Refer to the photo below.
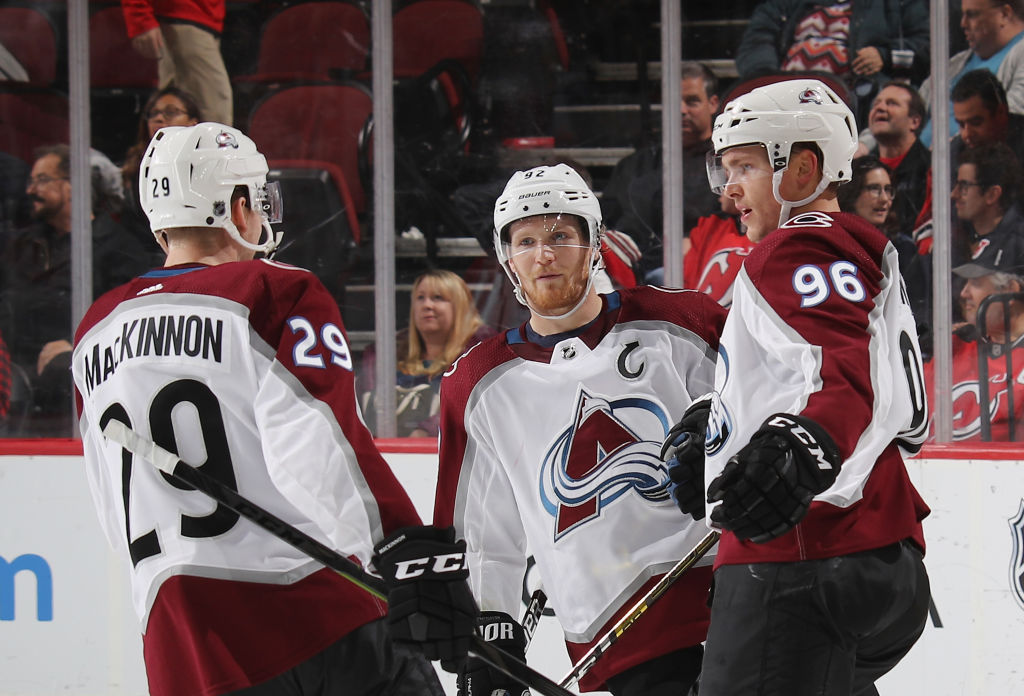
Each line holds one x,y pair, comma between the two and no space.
1017,558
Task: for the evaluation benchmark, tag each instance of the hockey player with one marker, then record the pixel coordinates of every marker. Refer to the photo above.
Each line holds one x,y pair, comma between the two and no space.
550,443
820,587
240,366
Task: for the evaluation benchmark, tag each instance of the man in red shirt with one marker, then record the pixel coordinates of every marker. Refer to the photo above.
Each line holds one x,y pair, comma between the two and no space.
995,270
717,247
184,37
895,119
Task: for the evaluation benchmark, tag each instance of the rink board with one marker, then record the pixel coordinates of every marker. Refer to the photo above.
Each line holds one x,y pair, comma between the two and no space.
66,625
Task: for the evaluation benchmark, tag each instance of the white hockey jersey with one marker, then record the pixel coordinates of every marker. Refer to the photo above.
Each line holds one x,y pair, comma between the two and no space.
553,445
243,370
820,326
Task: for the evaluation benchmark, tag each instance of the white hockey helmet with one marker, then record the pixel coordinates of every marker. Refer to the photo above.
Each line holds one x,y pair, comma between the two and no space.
778,115
189,173
546,190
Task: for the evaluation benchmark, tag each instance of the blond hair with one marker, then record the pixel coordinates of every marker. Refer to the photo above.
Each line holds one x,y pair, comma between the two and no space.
465,322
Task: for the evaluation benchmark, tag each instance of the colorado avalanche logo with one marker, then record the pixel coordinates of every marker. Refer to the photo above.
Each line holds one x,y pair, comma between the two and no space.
601,457
1017,558
812,219
810,96
225,139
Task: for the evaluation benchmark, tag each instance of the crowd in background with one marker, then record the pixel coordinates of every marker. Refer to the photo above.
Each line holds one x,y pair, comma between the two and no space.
874,54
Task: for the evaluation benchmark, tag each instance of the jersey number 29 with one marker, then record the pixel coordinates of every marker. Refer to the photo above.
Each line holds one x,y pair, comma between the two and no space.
217,464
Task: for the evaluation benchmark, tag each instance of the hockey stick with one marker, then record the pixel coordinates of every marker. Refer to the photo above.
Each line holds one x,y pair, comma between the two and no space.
616,631
170,464
531,617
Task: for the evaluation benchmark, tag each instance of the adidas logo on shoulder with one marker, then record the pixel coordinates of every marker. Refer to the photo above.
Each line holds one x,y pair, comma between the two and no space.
151,288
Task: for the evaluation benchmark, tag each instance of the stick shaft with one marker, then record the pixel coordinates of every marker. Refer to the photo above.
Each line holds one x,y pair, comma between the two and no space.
531,617
601,647
230,498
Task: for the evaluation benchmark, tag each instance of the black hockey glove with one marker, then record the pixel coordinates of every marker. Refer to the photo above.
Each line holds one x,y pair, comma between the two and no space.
683,451
766,488
429,601
476,678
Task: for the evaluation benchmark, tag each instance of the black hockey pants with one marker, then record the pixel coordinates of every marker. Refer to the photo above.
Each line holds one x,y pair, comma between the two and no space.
363,663
826,627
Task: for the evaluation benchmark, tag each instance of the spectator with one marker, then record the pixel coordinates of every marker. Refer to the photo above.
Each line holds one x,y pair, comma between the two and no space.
35,297
993,30
979,102
716,249
870,194
183,36
867,42
982,115
995,269
169,106
895,120
631,202
985,194
443,323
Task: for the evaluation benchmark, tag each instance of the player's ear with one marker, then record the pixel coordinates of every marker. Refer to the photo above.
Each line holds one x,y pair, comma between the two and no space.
808,163
803,172
239,213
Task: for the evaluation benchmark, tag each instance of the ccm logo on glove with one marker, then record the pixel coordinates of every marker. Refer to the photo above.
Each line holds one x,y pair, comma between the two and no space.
800,433
443,563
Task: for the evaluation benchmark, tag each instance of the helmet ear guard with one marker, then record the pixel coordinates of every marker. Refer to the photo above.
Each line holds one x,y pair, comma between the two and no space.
189,173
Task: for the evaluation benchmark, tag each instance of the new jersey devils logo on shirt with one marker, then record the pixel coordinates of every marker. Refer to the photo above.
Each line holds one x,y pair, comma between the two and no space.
720,273
1017,558
609,450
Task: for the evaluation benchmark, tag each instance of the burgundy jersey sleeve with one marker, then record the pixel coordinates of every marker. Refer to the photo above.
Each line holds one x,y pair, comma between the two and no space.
456,390
306,330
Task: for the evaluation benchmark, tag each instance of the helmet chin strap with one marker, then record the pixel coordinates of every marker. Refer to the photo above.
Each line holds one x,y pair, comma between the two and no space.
787,206
268,247
521,294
